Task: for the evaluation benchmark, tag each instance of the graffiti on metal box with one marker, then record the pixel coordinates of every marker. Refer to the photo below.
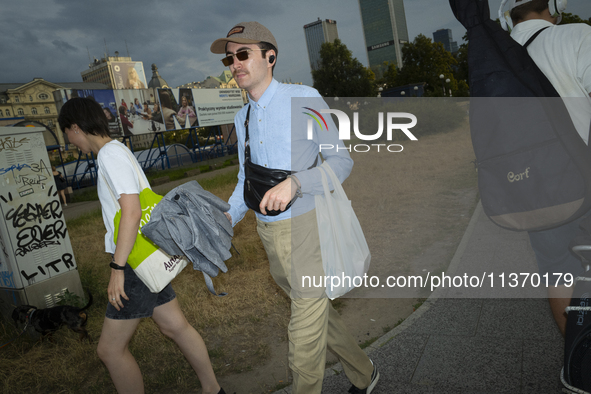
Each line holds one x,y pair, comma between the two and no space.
51,267
12,143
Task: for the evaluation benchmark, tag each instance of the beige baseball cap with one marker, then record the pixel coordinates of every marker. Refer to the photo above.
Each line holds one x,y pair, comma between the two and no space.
244,33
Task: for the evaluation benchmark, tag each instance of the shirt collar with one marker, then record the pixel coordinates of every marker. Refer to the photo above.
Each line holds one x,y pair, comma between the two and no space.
532,24
266,98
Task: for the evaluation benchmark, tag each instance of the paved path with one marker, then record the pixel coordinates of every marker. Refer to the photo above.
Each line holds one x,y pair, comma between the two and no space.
455,345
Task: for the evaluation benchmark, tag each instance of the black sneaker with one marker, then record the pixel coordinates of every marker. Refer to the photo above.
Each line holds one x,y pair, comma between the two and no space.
375,375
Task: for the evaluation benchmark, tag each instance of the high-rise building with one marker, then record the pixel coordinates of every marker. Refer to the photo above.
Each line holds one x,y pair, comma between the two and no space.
384,30
117,72
444,36
318,33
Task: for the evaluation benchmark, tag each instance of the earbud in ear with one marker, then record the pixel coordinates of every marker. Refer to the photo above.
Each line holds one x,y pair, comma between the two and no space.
271,58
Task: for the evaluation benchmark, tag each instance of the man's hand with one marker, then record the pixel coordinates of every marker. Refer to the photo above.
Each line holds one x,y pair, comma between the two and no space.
228,216
278,197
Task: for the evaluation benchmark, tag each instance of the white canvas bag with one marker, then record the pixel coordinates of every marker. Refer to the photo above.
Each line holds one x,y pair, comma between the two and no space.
345,253
151,264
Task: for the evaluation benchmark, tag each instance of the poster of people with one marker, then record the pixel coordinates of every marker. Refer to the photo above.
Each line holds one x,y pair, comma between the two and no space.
129,75
144,111
138,111
106,99
186,108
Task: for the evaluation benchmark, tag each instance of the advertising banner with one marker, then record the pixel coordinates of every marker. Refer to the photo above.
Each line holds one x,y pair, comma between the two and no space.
138,111
186,108
129,75
217,106
106,99
145,111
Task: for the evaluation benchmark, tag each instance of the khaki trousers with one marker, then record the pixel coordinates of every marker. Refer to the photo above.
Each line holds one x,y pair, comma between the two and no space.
293,249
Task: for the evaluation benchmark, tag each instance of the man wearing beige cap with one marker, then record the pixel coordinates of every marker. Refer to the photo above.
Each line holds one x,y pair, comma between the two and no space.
271,138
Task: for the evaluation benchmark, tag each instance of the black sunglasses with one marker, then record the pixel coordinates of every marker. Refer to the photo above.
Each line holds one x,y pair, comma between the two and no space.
240,55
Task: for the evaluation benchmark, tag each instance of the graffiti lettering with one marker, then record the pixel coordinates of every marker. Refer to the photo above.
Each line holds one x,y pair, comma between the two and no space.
67,259
11,143
39,167
30,235
34,212
35,167
23,251
6,279
54,265
33,181
13,167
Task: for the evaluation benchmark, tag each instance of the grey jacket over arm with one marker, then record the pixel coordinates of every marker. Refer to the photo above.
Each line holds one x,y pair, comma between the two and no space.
190,221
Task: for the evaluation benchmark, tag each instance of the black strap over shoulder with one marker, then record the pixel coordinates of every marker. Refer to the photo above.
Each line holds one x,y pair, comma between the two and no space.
247,142
532,38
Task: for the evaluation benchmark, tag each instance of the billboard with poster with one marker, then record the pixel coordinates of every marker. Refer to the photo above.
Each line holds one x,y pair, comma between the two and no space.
128,75
106,99
138,111
217,106
145,111
186,108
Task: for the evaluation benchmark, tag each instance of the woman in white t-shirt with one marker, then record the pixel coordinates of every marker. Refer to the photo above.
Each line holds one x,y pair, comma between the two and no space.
86,126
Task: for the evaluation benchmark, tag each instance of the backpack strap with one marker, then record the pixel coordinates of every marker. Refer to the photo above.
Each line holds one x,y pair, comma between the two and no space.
532,38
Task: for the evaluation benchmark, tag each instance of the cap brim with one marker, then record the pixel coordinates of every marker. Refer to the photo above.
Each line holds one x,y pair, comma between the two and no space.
219,46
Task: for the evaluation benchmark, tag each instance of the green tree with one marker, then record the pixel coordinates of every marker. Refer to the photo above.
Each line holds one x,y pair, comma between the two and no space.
424,61
342,75
389,77
570,18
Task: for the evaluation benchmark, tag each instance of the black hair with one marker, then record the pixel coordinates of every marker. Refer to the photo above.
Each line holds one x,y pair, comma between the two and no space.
165,100
519,13
122,110
266,46
87,114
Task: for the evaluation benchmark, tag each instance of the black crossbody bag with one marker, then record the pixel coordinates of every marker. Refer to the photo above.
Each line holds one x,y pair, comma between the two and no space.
258,179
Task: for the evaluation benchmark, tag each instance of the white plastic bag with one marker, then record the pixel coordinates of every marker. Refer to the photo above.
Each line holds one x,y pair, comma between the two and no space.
345,254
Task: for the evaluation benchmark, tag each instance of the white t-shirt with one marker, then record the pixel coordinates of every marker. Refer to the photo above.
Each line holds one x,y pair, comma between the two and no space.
116,168
563,53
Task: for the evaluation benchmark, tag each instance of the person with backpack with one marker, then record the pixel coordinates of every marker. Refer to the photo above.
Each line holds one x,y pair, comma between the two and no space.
563,54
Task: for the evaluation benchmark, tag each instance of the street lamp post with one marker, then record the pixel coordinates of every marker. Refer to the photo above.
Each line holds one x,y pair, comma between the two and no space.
443,84
416,89
380,89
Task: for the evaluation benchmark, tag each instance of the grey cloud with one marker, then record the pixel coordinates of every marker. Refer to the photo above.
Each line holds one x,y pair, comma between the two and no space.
64,46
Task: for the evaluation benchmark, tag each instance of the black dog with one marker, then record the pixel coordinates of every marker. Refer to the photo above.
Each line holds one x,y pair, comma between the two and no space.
47,321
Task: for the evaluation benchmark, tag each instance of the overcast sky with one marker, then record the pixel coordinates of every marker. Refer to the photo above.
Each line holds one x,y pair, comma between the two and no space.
52,39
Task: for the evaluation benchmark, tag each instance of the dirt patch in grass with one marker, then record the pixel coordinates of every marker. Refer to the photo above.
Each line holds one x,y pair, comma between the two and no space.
413,206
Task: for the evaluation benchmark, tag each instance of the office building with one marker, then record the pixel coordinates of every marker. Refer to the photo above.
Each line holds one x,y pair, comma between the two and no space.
317,33
444,36
384,31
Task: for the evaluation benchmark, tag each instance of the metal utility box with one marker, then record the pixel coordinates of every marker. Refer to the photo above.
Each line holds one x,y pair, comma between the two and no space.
37,263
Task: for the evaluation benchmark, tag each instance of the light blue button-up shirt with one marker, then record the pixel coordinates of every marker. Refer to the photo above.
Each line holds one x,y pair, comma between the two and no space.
279,140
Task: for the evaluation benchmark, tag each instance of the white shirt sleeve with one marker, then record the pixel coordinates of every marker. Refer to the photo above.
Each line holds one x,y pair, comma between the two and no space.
584,61
119,172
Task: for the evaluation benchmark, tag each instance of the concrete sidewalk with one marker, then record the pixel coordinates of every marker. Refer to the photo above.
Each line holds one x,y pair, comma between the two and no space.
455,345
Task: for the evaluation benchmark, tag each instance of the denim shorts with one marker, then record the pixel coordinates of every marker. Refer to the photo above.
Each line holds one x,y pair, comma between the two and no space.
141,300
552,252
